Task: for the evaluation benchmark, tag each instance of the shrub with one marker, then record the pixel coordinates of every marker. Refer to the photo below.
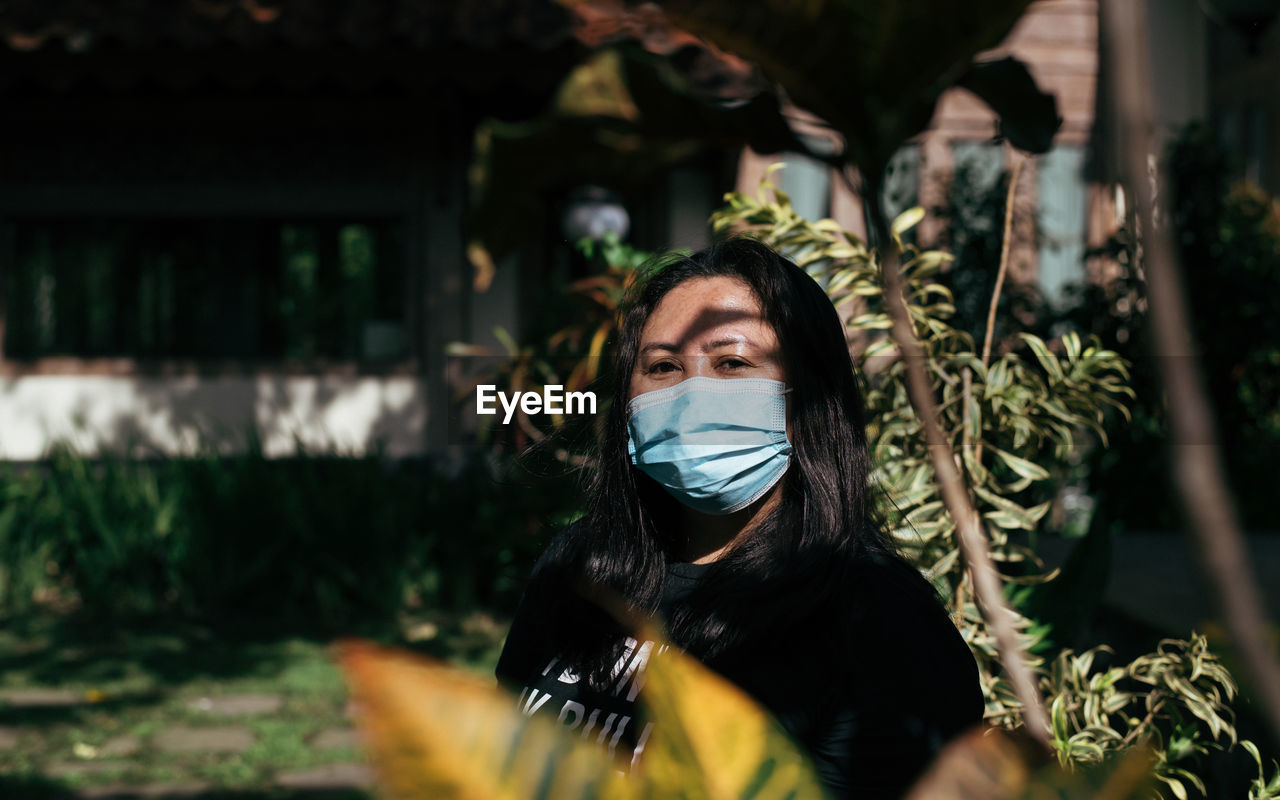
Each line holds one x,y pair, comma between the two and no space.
315,542
1012,424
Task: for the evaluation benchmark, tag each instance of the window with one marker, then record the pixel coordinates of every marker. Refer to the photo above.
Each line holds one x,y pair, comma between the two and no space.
222,288
978,168
1061,209
1061,220
807,182
902,182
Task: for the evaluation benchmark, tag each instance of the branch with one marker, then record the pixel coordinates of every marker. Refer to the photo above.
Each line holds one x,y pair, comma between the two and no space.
1136,729
973,542
1004,258
1000,273
1198,472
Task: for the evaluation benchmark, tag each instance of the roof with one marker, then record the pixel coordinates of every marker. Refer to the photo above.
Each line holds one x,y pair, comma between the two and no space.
176,44
85,25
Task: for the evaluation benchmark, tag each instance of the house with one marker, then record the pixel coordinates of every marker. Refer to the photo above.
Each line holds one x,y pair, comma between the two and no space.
223,215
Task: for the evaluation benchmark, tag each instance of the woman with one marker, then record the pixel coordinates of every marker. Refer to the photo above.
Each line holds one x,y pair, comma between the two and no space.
732,499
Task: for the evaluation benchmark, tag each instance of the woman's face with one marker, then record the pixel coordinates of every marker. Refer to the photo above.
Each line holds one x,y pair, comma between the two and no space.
708,327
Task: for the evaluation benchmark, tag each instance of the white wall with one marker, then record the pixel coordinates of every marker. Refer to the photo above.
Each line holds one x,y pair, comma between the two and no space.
172,416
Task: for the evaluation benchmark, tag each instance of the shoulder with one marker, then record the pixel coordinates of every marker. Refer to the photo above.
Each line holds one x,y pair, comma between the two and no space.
524,647
887,586
905,637
908,685
561,549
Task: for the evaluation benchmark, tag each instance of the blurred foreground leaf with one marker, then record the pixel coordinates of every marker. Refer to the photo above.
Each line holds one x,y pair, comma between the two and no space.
711,740
993,764
620,117
872,70
434,731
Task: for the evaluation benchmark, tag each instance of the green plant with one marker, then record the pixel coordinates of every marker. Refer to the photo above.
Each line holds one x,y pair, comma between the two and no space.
25,555
1004,419
573,353
433,730
315,542
1013,423
1010,422
1261,788
1229,238
1167,698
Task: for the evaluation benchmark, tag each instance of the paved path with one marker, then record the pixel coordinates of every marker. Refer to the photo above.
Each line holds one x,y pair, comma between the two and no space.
224,733
1157,579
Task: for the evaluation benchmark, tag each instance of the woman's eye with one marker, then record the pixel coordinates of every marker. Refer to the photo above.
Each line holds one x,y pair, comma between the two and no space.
661,367
733,363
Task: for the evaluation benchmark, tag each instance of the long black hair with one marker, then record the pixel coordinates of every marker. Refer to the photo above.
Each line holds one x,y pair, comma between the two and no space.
805,550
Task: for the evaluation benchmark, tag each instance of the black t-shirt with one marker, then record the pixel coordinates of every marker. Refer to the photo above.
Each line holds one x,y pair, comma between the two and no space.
871,725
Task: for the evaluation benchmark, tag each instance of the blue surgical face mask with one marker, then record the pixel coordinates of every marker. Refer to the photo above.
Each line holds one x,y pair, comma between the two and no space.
717,445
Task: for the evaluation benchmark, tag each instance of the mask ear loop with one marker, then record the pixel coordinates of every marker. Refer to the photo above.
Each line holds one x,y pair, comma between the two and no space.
786,427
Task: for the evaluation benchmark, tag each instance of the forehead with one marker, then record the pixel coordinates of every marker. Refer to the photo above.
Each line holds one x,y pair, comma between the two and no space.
702,310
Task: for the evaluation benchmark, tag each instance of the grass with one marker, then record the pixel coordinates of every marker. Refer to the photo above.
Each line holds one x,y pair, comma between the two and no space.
131,686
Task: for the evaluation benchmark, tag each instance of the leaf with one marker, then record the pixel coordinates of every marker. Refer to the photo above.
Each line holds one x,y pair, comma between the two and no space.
973,465
910,497
617,117
1046,358
943,565
907,220
923,512
596,88
1021,466
434,731
1008,521
870,322
1175,786
929,263
465,349
992,764
711,740
986,764
1071,343
1252,749
997,379
834,58
506,339
1058,718
1028,116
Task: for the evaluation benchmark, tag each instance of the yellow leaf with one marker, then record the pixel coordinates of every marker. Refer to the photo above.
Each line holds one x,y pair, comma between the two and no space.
983,763
435,731
82,750
907,220
485,268
596,88
993,764
711,740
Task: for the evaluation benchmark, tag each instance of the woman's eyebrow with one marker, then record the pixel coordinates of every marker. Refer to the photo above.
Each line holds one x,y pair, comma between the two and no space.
725,342
660,346
675,348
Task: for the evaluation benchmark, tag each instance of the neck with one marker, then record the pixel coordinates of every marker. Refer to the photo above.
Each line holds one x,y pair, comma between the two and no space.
709,536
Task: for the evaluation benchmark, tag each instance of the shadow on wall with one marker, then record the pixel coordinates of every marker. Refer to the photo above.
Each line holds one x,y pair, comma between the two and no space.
179,416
